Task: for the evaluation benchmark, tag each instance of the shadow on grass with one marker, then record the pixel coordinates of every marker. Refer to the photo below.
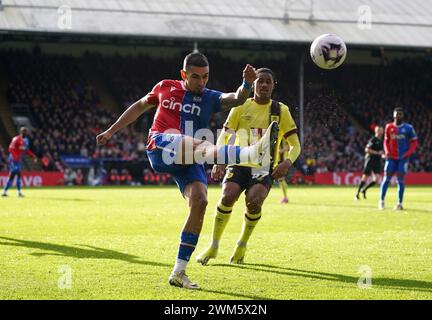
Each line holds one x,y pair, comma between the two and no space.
92,252
63,199
336,205
361,206
399,284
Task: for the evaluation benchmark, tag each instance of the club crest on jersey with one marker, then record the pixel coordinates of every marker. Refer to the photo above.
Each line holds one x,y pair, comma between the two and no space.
197,99
229,173
186,108
246,117
394,136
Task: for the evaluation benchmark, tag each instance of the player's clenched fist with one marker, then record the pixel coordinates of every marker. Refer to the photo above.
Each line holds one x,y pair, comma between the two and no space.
103,137
281,169
249,73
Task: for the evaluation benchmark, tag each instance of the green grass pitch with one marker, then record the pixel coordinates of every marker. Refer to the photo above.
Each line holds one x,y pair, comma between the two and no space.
120,243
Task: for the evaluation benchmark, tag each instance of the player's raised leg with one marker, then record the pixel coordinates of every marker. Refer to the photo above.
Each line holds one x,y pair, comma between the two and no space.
254,200
230,194
257,155
196,194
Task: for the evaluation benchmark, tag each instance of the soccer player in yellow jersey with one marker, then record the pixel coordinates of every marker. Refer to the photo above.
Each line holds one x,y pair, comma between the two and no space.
247,123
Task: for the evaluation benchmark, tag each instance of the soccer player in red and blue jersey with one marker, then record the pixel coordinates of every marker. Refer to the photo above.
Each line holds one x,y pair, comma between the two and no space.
17,147
400,141
183,112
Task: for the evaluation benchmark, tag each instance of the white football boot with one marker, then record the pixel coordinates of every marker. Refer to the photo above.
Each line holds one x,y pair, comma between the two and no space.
181,280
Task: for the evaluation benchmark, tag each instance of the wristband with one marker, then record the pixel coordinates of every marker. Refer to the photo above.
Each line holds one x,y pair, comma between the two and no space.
246,85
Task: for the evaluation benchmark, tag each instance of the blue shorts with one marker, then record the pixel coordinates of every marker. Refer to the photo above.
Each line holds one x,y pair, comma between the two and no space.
14,166
396,166
161,160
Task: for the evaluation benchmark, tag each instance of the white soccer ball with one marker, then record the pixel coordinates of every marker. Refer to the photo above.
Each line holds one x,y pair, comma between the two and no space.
328,51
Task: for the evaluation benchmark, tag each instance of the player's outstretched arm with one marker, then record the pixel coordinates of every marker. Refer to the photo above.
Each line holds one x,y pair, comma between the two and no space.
234,99
130,115
294,151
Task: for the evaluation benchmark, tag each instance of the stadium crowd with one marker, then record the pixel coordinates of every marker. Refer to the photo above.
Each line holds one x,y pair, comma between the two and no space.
65,110
373,93
67,113
3,159
332,142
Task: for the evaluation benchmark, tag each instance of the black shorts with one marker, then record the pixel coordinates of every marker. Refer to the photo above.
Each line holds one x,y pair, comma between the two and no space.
244,177
372,166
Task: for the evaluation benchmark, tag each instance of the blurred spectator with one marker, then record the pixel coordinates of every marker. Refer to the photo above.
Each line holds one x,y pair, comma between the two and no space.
69,177
93,179
149,177
3,160
79,179
113,177
47,162
125,177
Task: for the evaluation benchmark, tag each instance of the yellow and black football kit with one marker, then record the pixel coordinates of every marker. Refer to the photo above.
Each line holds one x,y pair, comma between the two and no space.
249,121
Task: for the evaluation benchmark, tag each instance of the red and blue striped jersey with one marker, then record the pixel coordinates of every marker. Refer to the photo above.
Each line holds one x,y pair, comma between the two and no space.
398,140
179,110
17,146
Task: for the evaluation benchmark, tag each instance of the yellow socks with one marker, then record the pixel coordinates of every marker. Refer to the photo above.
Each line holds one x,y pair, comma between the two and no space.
222,216
249,222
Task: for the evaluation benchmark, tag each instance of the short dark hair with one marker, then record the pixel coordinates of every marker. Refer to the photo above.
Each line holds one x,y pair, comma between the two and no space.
196,59
267,70
398,109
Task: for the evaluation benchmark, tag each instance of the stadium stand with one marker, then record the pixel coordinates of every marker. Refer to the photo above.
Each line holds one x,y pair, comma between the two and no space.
66,110
372,92
3,159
